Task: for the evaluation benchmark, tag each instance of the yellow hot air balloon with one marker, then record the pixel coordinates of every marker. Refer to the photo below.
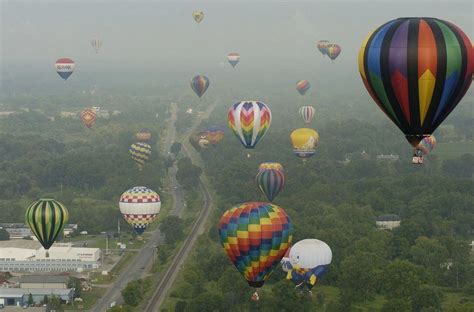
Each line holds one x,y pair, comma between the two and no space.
198,16
304,142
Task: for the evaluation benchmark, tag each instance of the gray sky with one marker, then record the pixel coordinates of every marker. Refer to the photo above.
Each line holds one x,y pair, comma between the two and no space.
154,36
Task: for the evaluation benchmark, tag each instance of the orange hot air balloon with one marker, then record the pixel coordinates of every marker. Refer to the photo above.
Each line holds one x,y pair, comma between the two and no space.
88,117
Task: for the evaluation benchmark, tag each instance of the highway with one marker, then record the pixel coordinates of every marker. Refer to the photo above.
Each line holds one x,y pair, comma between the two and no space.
198,226
141,265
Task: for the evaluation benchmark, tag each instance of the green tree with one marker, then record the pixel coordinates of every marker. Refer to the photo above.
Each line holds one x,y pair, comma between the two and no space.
427,297
401,279
30,299
75,283
397,305
45,299
133,293
172,227
175,148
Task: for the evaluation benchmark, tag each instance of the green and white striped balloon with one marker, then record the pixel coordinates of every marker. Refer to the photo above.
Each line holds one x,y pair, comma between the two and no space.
46,219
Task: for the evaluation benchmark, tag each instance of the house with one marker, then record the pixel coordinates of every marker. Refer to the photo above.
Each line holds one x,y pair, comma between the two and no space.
390,157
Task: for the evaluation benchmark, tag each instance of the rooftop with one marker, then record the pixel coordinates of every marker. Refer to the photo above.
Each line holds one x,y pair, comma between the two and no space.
44,279
19,292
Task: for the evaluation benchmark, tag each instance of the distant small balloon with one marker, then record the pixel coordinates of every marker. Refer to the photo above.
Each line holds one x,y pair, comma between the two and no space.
323,46
233,58
198,16
199,84
333,51
96,44
307,113
304,142
88,117
65,67
302,86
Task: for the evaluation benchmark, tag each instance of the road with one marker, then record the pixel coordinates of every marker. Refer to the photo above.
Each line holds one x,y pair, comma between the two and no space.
141,265
198,226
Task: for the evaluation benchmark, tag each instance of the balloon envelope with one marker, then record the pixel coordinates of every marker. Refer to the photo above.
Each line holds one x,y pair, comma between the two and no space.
88,117
140,153
417,70
198,16
233,58
270,179
139,207
302,86
333,51
323,46
65,67
96,44
255,236
143,135
307,113
304,142
249,121
427,144
46,219
199,84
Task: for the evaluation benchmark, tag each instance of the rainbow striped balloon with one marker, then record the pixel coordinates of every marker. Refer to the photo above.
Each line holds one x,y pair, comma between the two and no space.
270,179
307,113
417,70
427,144
255,236
302,86
199,84
249,120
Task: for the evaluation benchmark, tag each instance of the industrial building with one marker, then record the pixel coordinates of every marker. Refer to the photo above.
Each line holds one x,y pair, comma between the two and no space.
30,256
21,230
388,221
19,296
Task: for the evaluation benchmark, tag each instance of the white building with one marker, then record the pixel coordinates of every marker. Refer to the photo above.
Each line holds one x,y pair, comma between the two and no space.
388,221
29,256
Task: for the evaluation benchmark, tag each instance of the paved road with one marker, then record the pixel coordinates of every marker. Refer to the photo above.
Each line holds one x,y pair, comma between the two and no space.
141,265
198,226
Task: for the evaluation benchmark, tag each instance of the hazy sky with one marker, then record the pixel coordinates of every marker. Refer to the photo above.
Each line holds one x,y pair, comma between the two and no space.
150,36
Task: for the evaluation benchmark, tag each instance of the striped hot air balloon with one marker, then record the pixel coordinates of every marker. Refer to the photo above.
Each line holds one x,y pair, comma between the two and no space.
417,70
249,121
255,236
140,152
96,44
199,84
88,117
139,207
270,179
307,113
46,219
322,46
302,86
333,51
65,67
233,58
214,135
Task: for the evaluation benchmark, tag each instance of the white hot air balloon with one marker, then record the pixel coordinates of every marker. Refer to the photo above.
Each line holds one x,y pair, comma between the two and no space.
139,207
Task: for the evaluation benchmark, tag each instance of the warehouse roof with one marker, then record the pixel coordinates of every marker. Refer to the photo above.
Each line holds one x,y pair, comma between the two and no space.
19,292
44,279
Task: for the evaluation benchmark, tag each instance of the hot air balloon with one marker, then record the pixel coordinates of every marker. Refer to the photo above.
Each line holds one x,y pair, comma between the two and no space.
46,219
417,70
333,51
65,67
270,179
323,46
233,58
143,135
88,117
307,261
304,142
139,207
199,84
249,121
199,140
302,86
96,44
307,113
214,135
255,236
427,144
198,16
140,153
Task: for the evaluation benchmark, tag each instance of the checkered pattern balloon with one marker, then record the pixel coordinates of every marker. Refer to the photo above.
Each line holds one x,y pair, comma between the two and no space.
255,236
139,207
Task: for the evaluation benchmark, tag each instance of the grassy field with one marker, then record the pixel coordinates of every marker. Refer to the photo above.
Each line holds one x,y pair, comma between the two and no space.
453,149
